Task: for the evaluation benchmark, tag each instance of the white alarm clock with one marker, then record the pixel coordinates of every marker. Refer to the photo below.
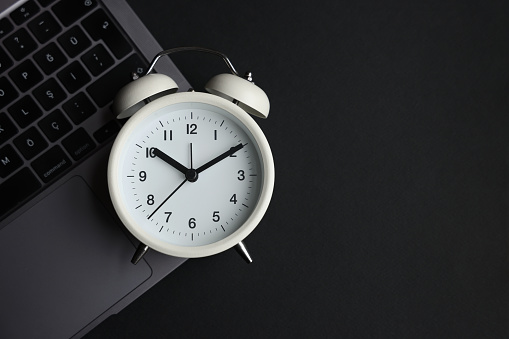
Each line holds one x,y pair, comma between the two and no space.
191,174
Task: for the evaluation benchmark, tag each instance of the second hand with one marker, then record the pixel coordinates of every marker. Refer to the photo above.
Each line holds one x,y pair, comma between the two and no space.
165,200
178,187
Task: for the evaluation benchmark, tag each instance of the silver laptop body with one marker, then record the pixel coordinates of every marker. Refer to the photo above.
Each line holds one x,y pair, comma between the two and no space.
64,257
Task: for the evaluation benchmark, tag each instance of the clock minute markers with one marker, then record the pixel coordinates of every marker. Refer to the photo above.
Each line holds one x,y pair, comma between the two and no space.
190,173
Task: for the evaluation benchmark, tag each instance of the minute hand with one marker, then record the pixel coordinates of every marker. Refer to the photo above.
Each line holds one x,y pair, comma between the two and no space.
217,159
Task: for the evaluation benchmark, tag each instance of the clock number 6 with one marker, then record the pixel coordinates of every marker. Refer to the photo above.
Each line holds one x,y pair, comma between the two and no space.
192,223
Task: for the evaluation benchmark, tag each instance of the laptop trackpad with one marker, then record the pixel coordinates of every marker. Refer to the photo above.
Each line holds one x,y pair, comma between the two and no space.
74,265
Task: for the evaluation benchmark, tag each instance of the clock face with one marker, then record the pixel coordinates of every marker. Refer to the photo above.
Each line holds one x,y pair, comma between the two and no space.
188,174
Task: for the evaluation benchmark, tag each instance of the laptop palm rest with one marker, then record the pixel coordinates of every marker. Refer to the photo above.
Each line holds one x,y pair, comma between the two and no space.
39,281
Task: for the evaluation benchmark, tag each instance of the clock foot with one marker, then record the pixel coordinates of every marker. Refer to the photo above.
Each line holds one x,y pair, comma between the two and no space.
140,252
242,251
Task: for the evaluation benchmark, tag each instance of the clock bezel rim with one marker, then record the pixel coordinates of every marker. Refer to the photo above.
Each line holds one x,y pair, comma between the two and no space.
191,251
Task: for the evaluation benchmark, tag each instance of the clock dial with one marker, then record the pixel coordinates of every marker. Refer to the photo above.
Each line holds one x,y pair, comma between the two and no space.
190,174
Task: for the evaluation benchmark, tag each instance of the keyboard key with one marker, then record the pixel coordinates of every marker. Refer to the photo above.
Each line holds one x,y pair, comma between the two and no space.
55,125
103,90
100,27
51,164
50,58
74,77
49,94
9,161
20,44
5,27
7,92
26,75
78,144
25,111
45,3
7,128
79,108
107,131
74,41
44,27
30,143
97,60
20,186
5,61
69,11
25,12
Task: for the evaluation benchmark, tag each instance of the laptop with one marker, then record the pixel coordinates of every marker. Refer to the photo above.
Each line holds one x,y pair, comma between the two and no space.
65,259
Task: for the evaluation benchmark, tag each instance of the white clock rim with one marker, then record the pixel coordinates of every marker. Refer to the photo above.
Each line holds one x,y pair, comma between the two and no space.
191,251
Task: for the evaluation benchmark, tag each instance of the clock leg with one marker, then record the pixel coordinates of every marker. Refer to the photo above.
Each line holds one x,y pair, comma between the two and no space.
242,251
140,252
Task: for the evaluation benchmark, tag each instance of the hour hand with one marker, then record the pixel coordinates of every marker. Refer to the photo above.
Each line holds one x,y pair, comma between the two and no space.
169,160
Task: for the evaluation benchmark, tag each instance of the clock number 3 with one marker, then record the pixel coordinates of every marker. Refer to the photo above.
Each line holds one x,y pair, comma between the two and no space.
241,174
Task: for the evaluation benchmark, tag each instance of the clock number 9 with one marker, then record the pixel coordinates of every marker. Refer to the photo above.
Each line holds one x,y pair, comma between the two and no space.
143,176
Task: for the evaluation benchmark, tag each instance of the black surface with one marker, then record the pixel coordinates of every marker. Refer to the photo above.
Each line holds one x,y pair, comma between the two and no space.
388,127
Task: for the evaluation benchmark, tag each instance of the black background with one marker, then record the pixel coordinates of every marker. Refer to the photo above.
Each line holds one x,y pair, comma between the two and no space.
388,127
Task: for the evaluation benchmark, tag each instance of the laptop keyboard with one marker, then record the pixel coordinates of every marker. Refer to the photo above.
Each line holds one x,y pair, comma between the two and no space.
61,63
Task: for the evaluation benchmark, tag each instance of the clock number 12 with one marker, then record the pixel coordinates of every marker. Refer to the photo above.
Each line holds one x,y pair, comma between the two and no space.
191,129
